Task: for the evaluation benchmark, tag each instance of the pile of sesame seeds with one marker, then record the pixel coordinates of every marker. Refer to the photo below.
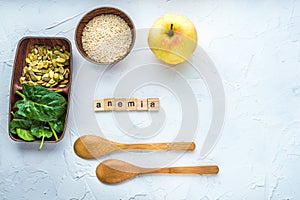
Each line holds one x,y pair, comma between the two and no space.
106,38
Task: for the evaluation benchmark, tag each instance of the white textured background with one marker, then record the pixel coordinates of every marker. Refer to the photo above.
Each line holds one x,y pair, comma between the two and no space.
255,46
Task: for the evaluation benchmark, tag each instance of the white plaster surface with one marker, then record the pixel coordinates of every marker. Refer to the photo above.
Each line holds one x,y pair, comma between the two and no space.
255,46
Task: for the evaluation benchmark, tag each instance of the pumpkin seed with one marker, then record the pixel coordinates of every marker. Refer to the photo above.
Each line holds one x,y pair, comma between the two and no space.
35,51
61,77
27,77
60,64
64,82
46,77
40,81
62,85
27,60
52,81
60,60
25,69
56,76
46,66
38,78
54,84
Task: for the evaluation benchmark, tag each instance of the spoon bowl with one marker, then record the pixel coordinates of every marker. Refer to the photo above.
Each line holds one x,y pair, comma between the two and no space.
92,146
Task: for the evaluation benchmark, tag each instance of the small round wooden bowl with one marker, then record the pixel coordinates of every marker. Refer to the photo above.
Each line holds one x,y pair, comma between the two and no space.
94,13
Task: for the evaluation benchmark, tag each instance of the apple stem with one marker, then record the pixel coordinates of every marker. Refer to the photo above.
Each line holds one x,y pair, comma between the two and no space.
171,32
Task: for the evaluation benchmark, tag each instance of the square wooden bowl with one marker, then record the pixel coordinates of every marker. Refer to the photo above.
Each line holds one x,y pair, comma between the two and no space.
94,13
23,48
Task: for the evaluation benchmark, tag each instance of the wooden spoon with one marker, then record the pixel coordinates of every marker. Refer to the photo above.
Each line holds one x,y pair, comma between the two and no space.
116,171
93,146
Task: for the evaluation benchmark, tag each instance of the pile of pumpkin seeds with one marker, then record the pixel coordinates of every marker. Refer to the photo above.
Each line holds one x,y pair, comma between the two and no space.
47,66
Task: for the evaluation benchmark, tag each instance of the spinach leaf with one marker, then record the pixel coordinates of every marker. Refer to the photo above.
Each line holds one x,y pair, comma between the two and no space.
40,104
23,123
25,134
58,125
41,132
18,123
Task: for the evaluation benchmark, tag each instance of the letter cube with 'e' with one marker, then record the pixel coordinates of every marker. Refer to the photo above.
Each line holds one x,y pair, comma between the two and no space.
120,104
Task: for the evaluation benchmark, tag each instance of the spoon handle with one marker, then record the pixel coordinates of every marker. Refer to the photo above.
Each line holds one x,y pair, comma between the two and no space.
190,146
206,169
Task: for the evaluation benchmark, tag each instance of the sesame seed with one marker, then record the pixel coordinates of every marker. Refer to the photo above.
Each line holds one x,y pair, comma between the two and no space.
106,38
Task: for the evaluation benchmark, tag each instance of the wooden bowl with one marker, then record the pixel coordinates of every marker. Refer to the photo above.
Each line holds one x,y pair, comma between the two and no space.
94,13
24,47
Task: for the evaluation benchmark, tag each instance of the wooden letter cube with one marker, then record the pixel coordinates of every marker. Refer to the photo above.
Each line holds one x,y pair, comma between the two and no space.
98,105
109,104
120,104
131,104
153,104
141,105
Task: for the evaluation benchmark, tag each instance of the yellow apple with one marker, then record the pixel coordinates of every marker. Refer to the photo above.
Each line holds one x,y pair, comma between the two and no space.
172,38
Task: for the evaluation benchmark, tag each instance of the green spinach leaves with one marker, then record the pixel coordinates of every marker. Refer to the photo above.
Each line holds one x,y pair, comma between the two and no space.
40,104
40,113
